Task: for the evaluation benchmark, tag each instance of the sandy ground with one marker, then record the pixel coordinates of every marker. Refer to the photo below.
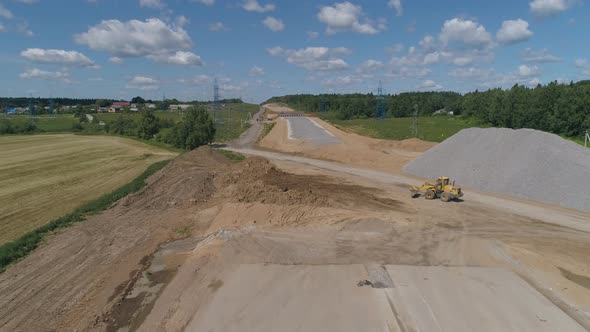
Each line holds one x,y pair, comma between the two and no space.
384,155
296,244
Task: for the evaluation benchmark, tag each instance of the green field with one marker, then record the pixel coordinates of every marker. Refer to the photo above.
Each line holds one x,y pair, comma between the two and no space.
433,129
43,177
46,123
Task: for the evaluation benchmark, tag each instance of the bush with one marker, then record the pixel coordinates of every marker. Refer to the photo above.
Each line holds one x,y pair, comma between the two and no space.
196,129
149,125
123,126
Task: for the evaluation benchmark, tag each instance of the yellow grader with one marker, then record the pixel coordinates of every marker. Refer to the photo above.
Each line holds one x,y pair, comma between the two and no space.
442,188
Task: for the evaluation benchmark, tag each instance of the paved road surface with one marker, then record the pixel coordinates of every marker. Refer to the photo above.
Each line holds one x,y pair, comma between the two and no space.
307,129
262,297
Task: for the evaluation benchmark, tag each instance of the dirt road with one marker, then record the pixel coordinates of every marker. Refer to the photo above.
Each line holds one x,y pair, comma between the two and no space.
295,244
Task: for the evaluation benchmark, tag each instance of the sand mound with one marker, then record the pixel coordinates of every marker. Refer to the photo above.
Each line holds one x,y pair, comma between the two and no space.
187,180
525,163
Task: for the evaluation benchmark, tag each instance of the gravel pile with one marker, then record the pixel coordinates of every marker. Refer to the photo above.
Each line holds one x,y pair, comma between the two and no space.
525,163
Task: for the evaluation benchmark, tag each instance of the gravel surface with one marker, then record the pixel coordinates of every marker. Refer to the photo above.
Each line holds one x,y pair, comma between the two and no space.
310,131
525,163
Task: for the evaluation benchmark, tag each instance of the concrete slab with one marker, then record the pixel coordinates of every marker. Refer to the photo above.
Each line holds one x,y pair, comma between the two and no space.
295,298
306,129
471,299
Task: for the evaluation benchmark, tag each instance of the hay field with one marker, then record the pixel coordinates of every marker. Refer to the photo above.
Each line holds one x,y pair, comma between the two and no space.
43,177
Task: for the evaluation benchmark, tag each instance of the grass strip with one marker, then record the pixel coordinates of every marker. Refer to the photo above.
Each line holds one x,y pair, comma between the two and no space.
231,155
19,248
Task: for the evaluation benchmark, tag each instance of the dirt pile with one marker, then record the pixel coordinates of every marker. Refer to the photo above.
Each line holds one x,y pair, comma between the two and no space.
525,163
186,181
257,180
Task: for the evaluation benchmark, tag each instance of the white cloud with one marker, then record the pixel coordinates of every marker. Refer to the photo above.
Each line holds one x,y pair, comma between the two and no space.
256,71
274,51
58,57
181,20
313,34
135,38
217,26
397,5
254,6
2,28
115,59
196,80
274,24
23,27
345,16
45,75
206,2
143,83
140,80
471,73
156,4
549,7
181,58
527,71
314,58
396,48
432,58
429,85
428,44
542,55
582,63
369,67
465,33
342,81
7,14
513,31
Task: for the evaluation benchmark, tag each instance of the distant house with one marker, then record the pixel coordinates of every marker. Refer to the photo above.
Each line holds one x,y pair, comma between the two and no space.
102,110
11,111
133,108
179,107
150,106
118,105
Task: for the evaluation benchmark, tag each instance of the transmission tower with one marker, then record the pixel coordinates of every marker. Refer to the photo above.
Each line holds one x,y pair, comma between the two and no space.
216,106
164,102
415,123
31,106
323,105
380,108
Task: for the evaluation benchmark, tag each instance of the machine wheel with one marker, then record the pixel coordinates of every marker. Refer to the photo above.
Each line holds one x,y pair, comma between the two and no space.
429,194
445,197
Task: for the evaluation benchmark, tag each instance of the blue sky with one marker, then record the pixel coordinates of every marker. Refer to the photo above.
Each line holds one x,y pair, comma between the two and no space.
258,49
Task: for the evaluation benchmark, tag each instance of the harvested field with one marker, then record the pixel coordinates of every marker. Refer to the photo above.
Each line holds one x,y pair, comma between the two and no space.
43,177
525,163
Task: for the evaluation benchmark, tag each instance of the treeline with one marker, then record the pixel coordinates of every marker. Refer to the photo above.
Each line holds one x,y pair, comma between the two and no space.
195,129
24,126
558,108
12,102
350,106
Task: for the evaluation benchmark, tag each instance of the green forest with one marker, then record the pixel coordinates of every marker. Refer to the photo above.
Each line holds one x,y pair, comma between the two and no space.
562,109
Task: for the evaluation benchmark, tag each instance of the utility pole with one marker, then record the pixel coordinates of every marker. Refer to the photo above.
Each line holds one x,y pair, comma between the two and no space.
586,138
